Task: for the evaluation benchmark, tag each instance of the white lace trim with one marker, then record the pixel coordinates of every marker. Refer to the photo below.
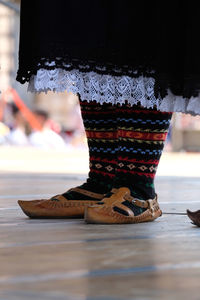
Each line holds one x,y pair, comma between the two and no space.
111,89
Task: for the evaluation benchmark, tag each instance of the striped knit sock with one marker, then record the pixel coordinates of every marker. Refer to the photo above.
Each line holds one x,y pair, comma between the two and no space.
101,130
141,135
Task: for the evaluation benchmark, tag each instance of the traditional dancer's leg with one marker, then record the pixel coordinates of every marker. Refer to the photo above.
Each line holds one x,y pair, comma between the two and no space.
101,131
100,126
141,136
141,133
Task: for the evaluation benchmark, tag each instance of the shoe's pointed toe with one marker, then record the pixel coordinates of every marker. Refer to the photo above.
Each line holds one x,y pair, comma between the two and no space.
29,207
93,215
58,206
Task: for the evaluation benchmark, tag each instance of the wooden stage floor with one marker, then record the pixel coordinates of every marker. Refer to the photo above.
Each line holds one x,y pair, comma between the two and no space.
70,260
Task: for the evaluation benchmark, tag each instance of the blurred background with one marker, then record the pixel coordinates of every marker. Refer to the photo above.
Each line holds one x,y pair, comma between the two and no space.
52,122
57,113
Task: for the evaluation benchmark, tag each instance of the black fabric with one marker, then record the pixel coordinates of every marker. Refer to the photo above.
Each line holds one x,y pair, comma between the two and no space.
151,38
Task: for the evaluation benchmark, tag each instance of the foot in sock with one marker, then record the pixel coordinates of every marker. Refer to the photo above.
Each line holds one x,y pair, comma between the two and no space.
141,136
100,127
122,208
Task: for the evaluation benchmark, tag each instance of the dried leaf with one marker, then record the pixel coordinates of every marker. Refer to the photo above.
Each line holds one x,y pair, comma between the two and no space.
194,216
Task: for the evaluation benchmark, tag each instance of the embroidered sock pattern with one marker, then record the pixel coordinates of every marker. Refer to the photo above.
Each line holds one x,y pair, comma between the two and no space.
141,136
101,130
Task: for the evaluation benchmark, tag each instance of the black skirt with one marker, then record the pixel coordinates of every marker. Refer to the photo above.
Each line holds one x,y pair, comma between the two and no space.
158,39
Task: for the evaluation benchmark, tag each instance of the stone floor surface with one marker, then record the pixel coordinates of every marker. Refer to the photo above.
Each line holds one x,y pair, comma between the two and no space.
70,260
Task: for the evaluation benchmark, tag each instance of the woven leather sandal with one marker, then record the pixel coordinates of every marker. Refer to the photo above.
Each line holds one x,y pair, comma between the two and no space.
58,206
112,210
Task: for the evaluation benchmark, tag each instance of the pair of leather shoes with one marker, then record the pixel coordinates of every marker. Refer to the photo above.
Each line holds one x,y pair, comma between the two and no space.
101,210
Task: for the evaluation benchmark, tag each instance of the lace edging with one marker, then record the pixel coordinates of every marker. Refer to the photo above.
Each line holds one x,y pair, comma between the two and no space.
67,63
111,89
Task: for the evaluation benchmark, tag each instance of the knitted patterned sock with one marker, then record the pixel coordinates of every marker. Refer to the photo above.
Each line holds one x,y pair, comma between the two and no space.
100,126
141,134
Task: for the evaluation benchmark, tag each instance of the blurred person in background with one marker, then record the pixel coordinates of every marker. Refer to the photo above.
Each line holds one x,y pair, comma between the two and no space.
4,129
74,134
4,132
46,138
132,63
19,127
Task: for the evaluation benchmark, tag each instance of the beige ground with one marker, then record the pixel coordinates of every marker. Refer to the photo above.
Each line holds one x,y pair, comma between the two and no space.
70,260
